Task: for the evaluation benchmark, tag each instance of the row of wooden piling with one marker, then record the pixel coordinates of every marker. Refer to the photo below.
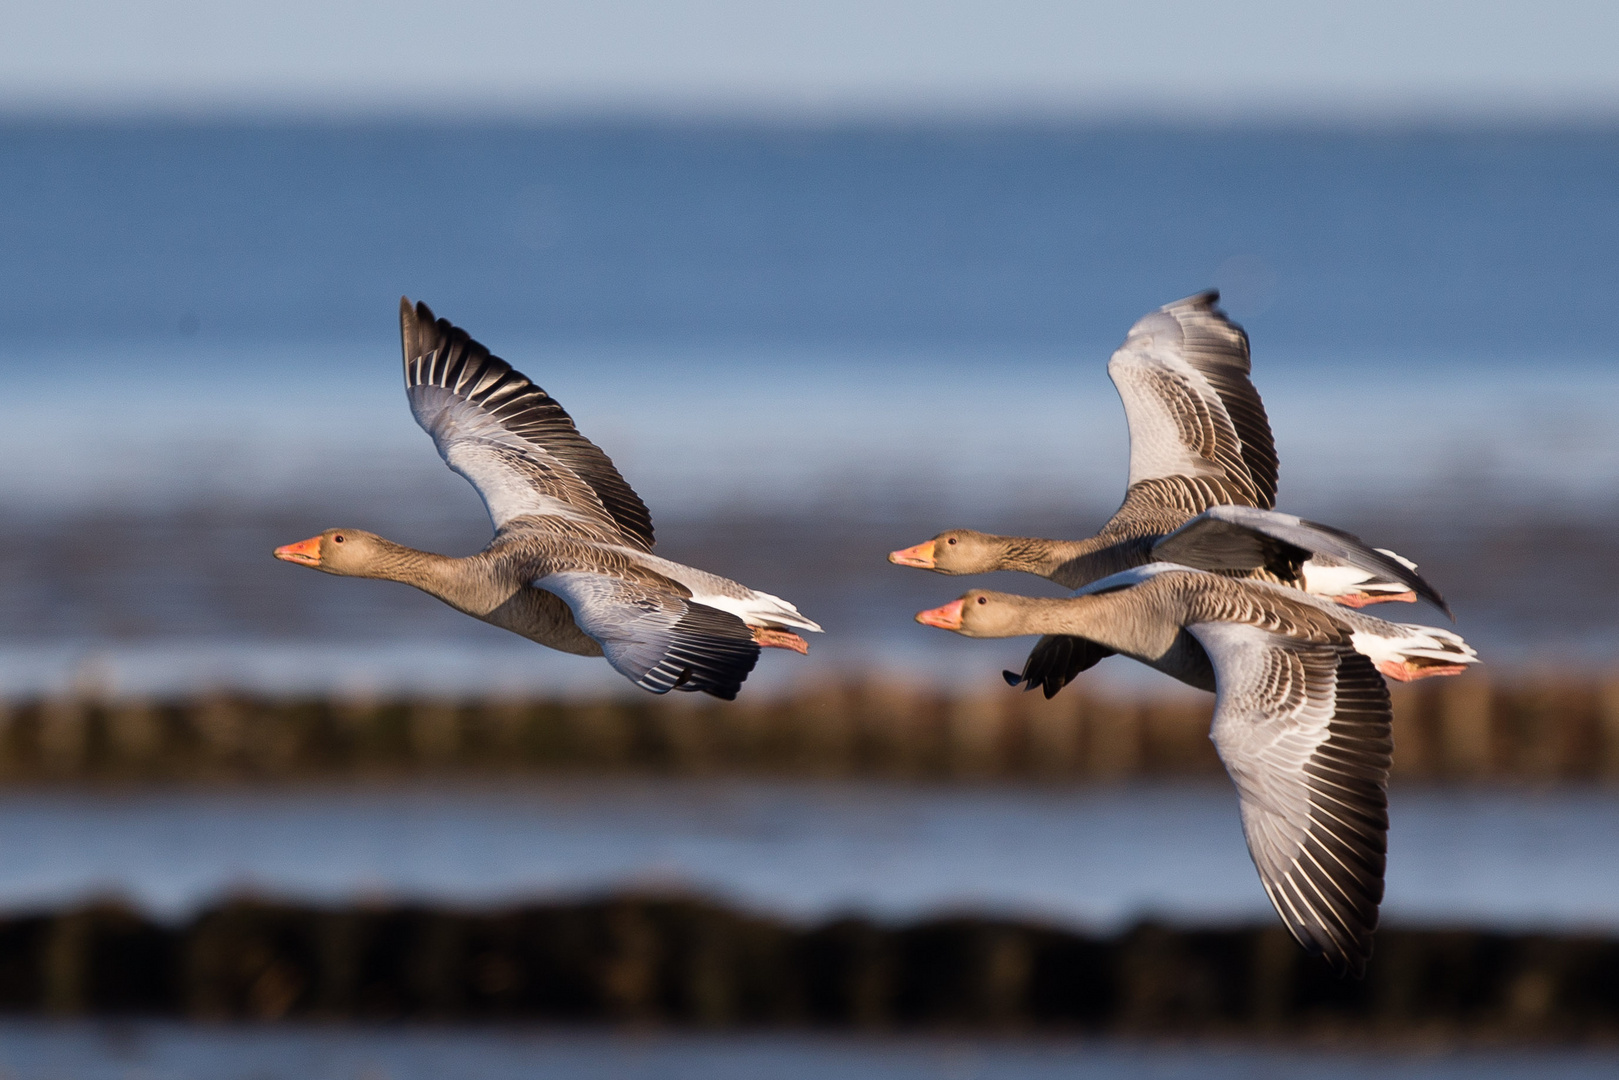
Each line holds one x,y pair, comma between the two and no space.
673,961
1467,728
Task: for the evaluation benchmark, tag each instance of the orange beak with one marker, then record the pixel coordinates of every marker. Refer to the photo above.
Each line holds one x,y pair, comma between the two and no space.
920,556
947,617
304,552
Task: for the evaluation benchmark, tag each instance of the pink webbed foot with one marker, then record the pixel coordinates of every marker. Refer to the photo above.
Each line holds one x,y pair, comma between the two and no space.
779,639
1409,671
1365,599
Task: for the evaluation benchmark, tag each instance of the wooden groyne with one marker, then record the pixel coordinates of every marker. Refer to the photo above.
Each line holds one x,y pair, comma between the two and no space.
1535,729
672,961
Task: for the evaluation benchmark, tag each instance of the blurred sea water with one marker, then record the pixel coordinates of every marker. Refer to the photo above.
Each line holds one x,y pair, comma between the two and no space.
77,1050
803,345
1096,859
88,1051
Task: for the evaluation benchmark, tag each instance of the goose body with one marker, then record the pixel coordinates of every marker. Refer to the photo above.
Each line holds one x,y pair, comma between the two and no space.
1202,487
571,564
1301,718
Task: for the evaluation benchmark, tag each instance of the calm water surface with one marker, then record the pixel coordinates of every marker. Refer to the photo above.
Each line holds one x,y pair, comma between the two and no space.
163,1051
1095,858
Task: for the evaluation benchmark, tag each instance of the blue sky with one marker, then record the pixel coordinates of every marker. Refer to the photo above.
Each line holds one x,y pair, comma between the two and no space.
1165,57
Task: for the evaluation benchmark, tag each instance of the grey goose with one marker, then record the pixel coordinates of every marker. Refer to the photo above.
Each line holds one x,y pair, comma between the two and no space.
1301,718
571,563
1201,492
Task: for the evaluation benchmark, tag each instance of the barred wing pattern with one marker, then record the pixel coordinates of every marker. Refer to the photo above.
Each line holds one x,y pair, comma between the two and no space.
1182,374
658,641
1303,729
509,438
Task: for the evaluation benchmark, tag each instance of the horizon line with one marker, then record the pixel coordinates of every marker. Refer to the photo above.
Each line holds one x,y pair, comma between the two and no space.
1301,111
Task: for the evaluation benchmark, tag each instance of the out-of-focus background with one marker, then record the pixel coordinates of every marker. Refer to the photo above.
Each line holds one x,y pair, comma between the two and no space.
822,281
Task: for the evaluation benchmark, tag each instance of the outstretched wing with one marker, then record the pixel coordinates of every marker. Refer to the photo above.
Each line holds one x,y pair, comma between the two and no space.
1304,731
509,438
1247,538
658,641
1182,374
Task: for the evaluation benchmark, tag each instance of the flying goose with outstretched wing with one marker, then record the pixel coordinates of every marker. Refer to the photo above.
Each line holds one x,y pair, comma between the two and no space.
571,563
1202,485
1301,717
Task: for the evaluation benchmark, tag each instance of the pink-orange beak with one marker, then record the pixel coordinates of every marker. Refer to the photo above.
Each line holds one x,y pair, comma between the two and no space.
947,617
920,556
304,552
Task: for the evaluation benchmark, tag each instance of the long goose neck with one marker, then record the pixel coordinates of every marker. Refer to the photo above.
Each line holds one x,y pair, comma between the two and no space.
1046,558
1138,622
1094,559
1151,509
449,579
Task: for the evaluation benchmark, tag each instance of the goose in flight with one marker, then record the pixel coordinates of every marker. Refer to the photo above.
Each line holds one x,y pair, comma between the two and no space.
1202,485
1301,717
571,563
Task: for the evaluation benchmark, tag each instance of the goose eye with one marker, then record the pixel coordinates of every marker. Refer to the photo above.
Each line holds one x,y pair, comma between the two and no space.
983,599
338,539
952,540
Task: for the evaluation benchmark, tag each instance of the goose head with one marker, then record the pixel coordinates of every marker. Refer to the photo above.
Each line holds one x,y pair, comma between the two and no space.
980,614
346,552
957,551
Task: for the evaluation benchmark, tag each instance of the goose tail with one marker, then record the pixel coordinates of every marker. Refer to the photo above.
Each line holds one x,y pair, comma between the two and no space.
762,609
1352,586
1405,652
